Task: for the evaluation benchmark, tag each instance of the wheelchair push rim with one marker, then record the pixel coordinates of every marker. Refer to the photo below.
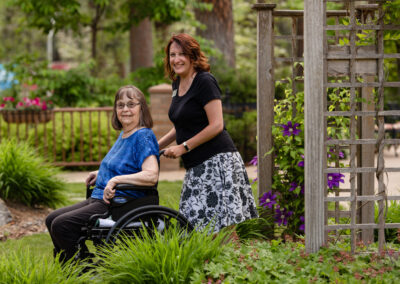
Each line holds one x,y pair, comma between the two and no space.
154,213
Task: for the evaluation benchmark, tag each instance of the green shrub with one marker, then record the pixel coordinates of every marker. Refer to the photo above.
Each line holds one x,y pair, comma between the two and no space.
257,228
392,216
243,132
22,266
104,90
68,88
160,258
278,262
146,77
239,85
26,178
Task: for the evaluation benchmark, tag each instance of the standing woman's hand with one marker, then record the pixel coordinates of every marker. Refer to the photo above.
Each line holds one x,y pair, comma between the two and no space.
175,151
92,177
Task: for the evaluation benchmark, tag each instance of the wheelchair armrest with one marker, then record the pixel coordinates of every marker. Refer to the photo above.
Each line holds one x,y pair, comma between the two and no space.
89,191
128,186
148,189
92,220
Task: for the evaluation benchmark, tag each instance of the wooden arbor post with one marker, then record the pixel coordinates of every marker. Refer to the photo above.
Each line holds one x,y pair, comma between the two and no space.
315,160
367,131
265,94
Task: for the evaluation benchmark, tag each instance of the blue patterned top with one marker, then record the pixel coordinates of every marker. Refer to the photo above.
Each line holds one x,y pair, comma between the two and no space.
126,157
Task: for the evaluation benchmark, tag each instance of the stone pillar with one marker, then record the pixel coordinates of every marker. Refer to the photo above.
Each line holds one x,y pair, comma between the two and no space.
160,100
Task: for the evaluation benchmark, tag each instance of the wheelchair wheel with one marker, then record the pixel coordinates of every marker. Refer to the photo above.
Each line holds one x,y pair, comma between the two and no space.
149,218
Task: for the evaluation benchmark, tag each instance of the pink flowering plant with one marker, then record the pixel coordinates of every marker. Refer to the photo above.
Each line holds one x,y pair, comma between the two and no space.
10,103
285,200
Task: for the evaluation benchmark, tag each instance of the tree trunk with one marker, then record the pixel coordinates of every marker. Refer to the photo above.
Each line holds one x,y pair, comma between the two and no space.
141,45
95,25
162,32
94,41
219,27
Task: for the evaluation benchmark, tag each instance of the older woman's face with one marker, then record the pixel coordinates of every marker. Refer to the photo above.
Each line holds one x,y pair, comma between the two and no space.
128,112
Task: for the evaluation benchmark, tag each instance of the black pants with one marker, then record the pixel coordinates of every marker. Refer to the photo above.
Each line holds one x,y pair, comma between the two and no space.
65,225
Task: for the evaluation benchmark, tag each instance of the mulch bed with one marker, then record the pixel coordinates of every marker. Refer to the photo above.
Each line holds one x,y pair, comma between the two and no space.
26,221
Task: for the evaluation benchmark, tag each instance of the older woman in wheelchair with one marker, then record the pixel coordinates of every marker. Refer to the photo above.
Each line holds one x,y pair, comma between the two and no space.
125,186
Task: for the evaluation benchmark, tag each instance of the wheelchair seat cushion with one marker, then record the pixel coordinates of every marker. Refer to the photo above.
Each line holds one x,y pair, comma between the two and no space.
123,204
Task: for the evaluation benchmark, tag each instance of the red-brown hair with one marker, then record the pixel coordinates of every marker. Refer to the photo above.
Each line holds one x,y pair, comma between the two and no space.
191,48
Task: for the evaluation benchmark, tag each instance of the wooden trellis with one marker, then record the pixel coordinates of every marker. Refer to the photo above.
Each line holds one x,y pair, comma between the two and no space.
269,40
333,59
360,70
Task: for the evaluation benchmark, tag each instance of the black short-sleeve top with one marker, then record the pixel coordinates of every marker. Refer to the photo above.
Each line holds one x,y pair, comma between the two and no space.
189,118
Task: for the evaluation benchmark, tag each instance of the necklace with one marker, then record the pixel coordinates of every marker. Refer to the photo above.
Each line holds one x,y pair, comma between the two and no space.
185,85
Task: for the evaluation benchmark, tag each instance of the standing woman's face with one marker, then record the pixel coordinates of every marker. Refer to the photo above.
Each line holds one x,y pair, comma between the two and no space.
179,61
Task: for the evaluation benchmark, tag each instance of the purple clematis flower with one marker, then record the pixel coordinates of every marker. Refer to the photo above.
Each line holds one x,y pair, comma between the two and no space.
290,129
254,161
334,179
282,215
293,186
302,226
332,150
301,163
268,199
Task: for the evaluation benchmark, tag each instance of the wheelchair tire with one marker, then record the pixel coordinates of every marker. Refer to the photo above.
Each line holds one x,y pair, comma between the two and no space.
152,213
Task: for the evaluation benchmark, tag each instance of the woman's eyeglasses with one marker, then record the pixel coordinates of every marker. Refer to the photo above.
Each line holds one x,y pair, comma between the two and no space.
129,105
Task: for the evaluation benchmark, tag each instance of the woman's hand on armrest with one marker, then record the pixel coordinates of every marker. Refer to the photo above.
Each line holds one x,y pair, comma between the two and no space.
91,179
148,175
109,191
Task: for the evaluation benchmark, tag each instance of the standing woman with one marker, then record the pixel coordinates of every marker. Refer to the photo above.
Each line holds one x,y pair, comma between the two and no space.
216,188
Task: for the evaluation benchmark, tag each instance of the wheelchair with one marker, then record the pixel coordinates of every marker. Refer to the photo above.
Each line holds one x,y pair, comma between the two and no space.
128,218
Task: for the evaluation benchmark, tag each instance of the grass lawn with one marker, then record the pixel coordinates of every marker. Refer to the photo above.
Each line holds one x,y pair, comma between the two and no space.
38,244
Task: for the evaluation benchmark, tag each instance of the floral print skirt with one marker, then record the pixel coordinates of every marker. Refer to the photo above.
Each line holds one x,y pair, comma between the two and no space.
217,192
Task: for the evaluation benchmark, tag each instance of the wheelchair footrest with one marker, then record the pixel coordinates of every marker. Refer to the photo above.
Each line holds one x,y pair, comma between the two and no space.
108,223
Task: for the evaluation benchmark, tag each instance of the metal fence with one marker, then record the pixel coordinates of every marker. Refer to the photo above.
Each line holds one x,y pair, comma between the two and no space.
64,136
